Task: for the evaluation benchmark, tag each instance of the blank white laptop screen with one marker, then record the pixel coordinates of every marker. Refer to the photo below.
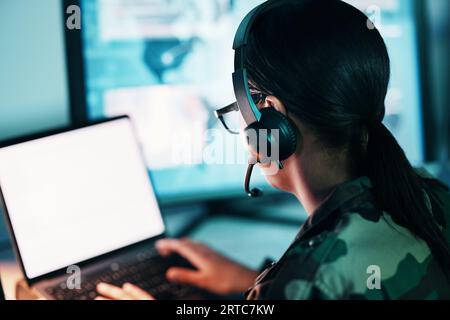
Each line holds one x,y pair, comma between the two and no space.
76,195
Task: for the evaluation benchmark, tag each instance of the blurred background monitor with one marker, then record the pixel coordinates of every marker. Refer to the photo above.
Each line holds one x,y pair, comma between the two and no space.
34,91
168,64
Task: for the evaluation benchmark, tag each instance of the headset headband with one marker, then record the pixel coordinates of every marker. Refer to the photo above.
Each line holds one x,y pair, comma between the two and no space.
247,107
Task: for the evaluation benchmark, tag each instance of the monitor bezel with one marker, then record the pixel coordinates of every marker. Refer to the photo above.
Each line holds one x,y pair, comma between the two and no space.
430,136
75,67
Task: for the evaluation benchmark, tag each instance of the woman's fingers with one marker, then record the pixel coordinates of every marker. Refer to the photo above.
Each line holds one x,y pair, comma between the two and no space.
127,292
112,292
215,272
185,276
165,247
136,292
185,248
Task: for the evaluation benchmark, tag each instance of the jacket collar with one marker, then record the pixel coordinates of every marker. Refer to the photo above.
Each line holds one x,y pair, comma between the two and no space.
345,196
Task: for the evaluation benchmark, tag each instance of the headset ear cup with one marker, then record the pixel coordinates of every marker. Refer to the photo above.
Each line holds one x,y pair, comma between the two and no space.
287,131
252,137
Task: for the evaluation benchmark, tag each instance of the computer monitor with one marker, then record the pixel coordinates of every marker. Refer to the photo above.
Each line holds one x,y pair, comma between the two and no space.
168,65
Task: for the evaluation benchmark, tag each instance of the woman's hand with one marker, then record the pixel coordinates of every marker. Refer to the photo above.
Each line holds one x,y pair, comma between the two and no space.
127,292
215,273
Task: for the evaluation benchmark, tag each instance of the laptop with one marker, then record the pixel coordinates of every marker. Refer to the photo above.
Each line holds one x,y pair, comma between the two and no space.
81,209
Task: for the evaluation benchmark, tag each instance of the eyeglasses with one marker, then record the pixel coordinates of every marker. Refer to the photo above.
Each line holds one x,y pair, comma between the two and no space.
230,115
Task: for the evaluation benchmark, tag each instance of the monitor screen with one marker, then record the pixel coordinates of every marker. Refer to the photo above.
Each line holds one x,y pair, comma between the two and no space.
168,65
64,190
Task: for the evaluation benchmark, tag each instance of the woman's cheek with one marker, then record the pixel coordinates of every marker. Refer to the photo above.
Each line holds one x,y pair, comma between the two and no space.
274,175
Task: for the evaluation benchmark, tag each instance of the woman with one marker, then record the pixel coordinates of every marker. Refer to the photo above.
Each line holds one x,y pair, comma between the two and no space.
377,229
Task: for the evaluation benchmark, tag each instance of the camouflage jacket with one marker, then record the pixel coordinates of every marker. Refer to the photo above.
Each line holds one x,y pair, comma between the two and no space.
348,249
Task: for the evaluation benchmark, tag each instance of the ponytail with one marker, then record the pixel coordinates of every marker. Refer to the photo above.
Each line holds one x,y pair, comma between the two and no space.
399,191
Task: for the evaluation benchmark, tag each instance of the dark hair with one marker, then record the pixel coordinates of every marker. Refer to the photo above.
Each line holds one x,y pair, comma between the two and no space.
324,60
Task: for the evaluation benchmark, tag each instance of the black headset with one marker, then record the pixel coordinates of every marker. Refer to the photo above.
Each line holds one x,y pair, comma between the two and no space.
265,120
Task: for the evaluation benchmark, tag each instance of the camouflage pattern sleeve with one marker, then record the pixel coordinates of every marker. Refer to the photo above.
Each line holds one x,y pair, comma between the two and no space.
355,251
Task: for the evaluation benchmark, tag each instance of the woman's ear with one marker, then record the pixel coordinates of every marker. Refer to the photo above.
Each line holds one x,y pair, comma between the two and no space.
272,101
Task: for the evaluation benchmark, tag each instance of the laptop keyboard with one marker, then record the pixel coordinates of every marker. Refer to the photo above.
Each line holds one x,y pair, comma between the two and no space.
147,271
